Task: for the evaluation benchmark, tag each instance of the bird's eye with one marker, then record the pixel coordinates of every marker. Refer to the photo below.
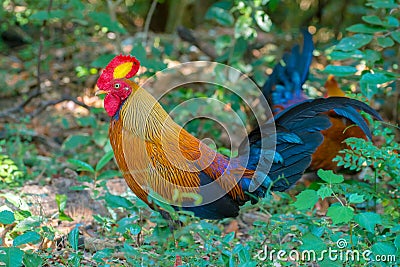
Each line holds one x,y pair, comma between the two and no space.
117,86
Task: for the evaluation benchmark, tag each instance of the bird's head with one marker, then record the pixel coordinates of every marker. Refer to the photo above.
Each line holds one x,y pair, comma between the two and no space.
114,82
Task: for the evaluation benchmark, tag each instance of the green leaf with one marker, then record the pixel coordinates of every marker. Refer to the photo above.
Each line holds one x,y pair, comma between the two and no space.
383,248
397,242
330,177
82,166
73,238
382,4
362,28
354,42
375,20
368,220
135,229
385,41
104,160
118,202
27,237
312,242
376,78
108,174
32,260
356,198
73,141
64,217
104,20
220,15
340,55
340,214
46,15
11,256
371,55
340,70
306,199
6,217
324,192
396,36
61,201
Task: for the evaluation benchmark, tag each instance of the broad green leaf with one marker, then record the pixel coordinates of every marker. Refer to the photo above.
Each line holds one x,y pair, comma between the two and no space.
108,174
382,4
61,201
27,237
135,229
391,22
6,217
397,242
385,41
104,160
340,55
375,20
11,256
371,55
312,242
32,260
306,199
46,15
368,220
340,214
73,238
356,198
330,177
354,42
324,192
104,20
396,36
220,15
64,217
340,70
118,202
362,28
383,248
73,141
82,166
376,78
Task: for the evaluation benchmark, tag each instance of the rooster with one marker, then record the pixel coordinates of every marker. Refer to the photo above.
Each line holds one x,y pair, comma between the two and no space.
284,88
158,157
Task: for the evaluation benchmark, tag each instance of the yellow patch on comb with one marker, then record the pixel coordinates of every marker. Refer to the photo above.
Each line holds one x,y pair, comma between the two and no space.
122,70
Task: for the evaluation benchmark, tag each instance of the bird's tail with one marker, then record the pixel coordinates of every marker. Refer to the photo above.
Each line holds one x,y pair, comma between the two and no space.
284,86
298,134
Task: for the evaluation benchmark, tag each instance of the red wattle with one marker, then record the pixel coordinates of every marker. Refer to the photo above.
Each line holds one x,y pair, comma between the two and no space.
111,104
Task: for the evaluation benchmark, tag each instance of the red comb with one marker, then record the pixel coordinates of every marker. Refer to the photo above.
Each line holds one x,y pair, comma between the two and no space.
120,67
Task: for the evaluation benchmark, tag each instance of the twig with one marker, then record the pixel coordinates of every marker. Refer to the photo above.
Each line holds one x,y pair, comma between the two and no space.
45,104
147,22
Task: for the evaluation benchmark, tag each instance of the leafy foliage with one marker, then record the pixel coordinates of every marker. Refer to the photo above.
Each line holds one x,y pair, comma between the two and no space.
363,212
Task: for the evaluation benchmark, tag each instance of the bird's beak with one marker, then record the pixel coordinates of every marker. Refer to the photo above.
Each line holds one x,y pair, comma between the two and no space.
100,92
